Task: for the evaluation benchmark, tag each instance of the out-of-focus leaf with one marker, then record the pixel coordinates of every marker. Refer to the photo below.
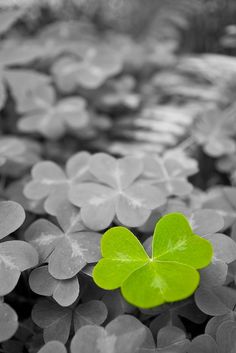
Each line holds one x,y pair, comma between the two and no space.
8,18
125,334
97,65
32,81
168,174
14,192
52,183
8,322
224,247
65,292
215,131
206,222
66,250
222,200
53,347
52,121
17,155
116,191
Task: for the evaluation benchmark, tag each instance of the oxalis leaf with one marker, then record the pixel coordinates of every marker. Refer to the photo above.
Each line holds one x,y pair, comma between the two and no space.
57,321
67,249
168,275
8,322
16,256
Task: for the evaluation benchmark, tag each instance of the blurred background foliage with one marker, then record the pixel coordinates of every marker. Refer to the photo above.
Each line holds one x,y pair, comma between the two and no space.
198,24
145,75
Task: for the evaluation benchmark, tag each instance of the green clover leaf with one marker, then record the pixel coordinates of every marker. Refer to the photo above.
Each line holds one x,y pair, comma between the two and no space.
169,275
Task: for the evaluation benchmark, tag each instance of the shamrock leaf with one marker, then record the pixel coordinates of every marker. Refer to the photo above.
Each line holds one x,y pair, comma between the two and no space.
16,255
215,131
169,275
68,248
14,192
56,321
125,334
64,292
169,174
215,301
52,347
52,119
33,81
51,183
97,65
8,322
222,200
17,155
115,192
16,53
93,312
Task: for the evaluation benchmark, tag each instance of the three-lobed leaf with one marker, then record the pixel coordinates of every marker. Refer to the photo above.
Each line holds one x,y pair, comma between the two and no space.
169,275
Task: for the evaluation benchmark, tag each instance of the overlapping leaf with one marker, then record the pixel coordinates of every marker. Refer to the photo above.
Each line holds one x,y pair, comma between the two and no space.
216,131
116,191
125,334
172,339
17,155
51,183
224,341
216,301
222,200
67,248
57,321
172,315
15,53
52,119
64,292
97,65
169,275
168,174
16,255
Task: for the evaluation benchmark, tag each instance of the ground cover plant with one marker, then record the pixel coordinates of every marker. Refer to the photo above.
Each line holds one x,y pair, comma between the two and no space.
117,178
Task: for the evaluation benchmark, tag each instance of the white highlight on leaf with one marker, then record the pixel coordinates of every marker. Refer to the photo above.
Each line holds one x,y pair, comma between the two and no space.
46,239
76,249
7,260
98,200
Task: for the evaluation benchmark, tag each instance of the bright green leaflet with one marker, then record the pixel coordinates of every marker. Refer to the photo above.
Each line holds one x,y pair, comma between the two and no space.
169,275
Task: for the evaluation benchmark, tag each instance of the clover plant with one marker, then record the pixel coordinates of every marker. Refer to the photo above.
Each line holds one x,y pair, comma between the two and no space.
117,177
170,274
